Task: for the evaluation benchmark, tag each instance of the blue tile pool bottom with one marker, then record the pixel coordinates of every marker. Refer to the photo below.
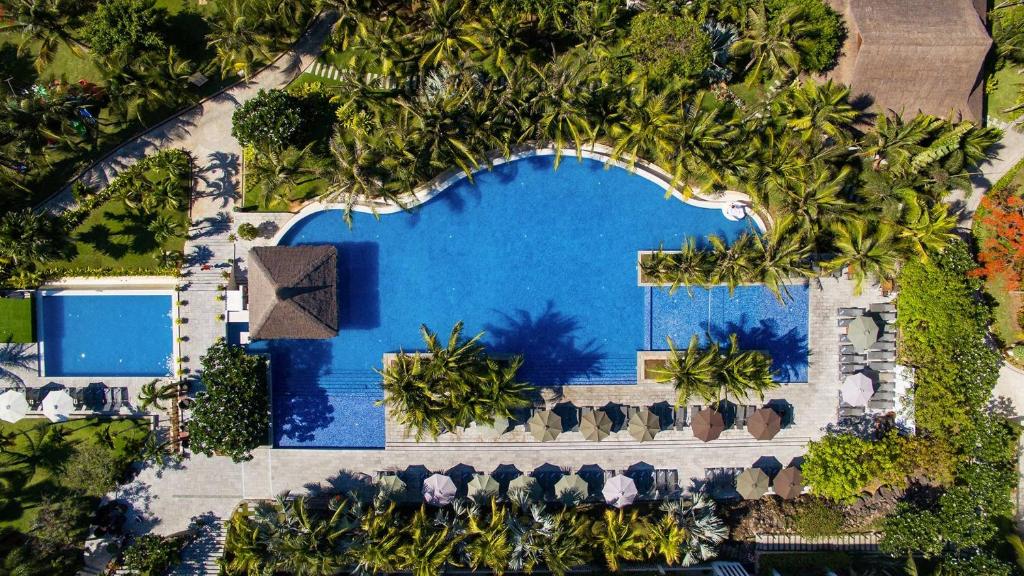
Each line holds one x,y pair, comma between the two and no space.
759,320
542,261
106,335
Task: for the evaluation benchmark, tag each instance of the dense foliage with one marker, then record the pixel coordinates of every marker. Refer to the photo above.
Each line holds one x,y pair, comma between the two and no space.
713,374
231,416
451,385
151,555
516,536
126,28
271,119
668,48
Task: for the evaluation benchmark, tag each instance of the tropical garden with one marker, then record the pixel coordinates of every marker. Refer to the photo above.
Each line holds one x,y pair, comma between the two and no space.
379,535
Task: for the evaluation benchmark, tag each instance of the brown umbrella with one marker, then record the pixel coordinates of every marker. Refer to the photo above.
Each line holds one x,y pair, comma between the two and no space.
595,425
643,425
764,424
707,425
789,483
545,425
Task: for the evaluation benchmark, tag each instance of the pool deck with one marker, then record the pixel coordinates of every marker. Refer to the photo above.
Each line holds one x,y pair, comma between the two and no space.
166,499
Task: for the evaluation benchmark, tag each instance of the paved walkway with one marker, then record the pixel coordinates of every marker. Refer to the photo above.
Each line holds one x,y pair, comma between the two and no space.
1007,153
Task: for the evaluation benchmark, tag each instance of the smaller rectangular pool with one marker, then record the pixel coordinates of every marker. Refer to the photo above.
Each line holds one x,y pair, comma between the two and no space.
106,333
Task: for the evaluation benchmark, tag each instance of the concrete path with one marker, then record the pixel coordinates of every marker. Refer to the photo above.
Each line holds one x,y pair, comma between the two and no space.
1006,154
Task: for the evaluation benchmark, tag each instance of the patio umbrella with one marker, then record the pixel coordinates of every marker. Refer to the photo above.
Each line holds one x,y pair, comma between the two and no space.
391,484
707,425
525,483
571,483
862,332
595,425
439,490
857,389
545,425
58,405
13,406
482,485
789,483
494,431
764,424
752,483
620,491
643,425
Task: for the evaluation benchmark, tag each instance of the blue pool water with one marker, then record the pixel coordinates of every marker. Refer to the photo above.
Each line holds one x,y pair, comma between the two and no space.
85,335
543,261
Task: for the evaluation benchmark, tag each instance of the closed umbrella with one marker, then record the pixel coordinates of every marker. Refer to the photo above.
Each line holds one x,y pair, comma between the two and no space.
494,431
391,484
439,490
764,424
482,486
545,425
789,483
595,425
862,332
620,491
707,425
857,389
526,484
752,483
571,484
643,425
58,405
13,406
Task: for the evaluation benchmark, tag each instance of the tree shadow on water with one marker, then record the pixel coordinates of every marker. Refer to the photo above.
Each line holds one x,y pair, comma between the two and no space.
787,348
552,356
301,404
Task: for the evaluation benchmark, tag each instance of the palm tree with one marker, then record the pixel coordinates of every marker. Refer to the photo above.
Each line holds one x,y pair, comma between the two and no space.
44,447
666,538
819,110
867,250
704,529
782,256
745,372
142,85
692,373
500,31
164,227
646,125
44,23
689,267
278,173
732,262
247,545
702,144
620,537
564,543
922,230
428,547
153,395
306,544
561,104
352,173
238,36
377,551
28,237
768,42
816,201
894,143
489,545
444,36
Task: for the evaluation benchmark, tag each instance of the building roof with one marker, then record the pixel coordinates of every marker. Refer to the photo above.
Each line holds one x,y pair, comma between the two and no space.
914,56
293,292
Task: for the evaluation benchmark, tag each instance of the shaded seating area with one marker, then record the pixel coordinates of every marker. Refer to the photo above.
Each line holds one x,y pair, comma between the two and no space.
754,482
867,359
59,403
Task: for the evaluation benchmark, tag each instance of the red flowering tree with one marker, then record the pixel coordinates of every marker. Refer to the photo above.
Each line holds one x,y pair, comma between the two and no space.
1002,249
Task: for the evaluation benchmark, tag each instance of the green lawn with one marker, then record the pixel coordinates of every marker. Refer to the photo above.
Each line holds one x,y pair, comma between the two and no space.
16,320
1004,94
30,485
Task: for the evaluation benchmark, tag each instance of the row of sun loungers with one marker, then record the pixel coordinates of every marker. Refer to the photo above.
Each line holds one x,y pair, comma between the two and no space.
87,399
671,418
878,361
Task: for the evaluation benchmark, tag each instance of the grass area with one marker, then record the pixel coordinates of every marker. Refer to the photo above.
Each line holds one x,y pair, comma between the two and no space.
16,320
31,483
1001,93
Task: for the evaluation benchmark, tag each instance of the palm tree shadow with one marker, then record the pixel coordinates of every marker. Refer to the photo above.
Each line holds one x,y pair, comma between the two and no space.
303,407
788,349
17,357
223,186
551,354
101,238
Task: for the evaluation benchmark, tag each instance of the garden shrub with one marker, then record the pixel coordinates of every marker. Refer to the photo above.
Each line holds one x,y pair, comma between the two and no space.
816,518
232,415
152,555
126,28
666,46
273,118
825,33
93,470
247,231
841,466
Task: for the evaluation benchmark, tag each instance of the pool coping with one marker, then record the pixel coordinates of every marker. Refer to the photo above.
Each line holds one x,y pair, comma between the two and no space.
105,289
445,180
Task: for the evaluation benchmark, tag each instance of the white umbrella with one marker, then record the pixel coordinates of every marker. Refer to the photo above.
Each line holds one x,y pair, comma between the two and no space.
620,491
857,389
482,485
13,406
493,431
439,490
58,405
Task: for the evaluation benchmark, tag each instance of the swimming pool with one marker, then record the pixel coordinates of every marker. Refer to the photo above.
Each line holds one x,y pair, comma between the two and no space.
114,333
543,261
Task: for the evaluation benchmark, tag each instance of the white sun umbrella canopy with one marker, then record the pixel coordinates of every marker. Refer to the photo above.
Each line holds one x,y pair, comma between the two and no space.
482,486
58,406
439,490
620,491
493,431
857,389
13,406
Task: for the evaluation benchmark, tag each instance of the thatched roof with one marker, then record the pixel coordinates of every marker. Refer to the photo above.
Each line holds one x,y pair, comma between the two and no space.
293,292
915,55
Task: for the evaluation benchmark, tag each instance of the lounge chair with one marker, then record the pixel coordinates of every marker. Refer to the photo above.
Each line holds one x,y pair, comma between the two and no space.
34,396
882,307
851,312
681,418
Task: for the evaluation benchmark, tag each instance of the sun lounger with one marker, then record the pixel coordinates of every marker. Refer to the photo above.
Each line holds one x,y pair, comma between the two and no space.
882,366
882,307
681,418
851,312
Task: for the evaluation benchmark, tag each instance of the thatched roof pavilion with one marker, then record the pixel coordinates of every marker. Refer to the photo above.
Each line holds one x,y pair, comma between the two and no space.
915,55
293,292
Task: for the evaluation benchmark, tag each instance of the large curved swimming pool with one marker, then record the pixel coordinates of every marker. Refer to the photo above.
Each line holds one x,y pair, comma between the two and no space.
541,260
